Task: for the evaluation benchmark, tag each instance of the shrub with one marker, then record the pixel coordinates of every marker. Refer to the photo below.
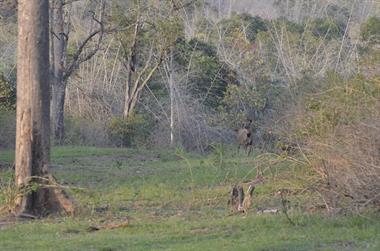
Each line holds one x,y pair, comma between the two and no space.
131,132
81,131
209,76
370,30
340,128
251,25
327,27
7,94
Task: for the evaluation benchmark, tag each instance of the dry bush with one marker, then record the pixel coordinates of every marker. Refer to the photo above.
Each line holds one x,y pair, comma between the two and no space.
350,161
81,131
196,134
193,128
340,130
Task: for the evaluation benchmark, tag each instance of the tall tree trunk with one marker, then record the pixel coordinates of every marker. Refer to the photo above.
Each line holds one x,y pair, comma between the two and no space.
131,69
33,129
128,96
33,110
58,84
58,109
172,100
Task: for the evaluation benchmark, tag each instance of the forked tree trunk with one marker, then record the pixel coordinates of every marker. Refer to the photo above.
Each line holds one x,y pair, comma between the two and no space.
33,112
61,68
131,68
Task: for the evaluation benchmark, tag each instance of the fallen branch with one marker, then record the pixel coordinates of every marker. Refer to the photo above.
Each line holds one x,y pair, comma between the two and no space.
122,224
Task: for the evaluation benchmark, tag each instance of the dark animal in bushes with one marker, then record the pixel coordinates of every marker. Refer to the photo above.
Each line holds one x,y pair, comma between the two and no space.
244,137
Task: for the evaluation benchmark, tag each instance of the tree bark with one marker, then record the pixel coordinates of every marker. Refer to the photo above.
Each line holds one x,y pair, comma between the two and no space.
131,68
33,111
58,109
32,132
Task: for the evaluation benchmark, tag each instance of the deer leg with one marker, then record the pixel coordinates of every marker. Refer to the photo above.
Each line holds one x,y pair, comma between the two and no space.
249,148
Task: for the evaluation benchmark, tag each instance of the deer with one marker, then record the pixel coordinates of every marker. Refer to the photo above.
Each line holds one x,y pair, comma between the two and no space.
244,137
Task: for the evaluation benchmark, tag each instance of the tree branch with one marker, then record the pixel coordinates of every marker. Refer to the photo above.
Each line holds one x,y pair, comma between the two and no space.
77,59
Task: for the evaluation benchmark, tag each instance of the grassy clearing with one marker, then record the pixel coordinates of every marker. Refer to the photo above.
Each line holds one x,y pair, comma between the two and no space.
178,202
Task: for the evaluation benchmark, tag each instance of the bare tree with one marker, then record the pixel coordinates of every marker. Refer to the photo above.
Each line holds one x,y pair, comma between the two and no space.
62,67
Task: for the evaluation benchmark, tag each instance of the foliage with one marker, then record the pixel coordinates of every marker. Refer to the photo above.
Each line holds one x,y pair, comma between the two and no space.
290,26
241,101
131,132
158,31
209,76
370,30
341,120
327,27
10,193
244,26
340,14
340,103
8,9
7,94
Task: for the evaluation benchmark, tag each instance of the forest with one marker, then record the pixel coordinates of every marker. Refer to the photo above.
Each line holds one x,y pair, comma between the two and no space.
189,124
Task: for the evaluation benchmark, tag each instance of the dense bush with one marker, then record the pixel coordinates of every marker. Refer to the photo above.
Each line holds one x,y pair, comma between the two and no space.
81,131
370,30
233,26
7,94
209,76
327,27
132,132
340,128
7,113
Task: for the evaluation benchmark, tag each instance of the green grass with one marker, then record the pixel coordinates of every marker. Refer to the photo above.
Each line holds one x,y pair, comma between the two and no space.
177,201
176,233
